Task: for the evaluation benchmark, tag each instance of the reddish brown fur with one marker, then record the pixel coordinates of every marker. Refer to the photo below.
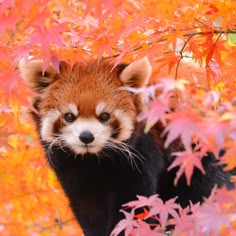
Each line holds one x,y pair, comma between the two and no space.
85,86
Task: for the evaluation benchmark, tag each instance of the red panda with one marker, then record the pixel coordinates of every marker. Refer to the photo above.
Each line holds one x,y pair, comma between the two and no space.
99,152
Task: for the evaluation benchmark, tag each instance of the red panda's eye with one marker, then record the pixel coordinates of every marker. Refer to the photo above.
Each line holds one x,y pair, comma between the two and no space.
69,117
104,117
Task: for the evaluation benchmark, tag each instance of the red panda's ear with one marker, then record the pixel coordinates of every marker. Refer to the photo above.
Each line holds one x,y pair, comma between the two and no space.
137,74
31,71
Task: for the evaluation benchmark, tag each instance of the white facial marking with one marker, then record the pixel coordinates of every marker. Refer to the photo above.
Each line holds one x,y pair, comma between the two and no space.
126,125
71,107
47,125
71,133
100,108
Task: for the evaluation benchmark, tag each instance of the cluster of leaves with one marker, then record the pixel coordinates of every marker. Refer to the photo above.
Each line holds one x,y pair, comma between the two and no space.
192,220
208,121
192,49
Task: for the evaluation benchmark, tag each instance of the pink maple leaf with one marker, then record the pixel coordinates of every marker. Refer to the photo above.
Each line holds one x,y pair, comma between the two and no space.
9,81
157,112
5,109
215,67
187,161
215,129
210,218
221,196
5,4
167,85
182,124
162,209
144,229
46,37
142,201
185,222
8,21
128,224
102,8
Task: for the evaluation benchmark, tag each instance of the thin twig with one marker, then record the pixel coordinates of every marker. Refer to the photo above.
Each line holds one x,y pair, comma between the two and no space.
189,35
181,56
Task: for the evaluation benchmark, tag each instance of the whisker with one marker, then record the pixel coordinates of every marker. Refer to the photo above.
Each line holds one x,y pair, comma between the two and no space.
55,144
131,153
138,154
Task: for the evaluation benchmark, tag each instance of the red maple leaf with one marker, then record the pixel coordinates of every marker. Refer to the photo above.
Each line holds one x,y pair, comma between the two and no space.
143,215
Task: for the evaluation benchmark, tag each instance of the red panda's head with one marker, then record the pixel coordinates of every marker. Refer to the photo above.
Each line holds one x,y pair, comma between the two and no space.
85,107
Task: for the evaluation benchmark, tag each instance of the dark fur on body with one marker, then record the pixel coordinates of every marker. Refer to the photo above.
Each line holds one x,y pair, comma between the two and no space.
98,184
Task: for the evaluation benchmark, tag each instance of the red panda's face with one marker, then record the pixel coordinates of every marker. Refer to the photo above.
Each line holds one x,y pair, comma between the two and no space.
84,108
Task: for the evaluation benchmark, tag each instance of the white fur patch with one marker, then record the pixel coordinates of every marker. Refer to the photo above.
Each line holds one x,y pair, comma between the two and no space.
47,125
71,107
126,125
100,108
71,133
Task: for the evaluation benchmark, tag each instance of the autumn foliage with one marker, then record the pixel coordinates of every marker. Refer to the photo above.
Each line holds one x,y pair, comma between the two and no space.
192,48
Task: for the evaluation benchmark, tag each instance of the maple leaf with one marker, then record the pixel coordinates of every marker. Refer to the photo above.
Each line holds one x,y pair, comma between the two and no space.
187,161
170,59
64,30
214,131
222,196
102,8
162,209
46,38
6,109
142,201
157,112
9,82
167,85
144,229
211,218
38,18
185,222
215,67
212,99
5,4
128,224
182,124
228,159
143,215
8,21
213,9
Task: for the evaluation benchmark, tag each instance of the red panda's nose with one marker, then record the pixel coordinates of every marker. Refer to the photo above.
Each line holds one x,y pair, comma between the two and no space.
86,137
